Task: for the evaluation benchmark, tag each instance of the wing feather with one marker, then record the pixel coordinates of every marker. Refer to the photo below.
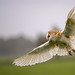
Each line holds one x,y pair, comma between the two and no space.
72,40
70,28
70,24
39,55
62,52
71,13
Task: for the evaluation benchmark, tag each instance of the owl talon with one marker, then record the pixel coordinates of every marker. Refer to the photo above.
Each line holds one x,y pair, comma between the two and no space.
70,53
73,50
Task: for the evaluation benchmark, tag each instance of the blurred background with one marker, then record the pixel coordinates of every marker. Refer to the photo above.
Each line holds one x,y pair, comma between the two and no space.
23,26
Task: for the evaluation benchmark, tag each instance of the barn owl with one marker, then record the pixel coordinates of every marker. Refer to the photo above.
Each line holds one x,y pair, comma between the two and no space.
59,43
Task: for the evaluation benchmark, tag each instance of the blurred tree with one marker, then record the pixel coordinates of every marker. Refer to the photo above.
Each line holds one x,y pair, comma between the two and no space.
15,46
41,39
21,45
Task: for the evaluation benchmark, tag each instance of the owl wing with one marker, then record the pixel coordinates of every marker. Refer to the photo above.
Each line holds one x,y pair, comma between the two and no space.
70,24
70,27
40,54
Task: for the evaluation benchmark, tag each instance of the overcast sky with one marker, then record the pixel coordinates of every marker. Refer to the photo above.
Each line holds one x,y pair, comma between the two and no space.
30,17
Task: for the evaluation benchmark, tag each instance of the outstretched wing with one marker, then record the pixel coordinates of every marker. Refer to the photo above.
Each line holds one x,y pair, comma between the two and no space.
70,24
70,27
40,54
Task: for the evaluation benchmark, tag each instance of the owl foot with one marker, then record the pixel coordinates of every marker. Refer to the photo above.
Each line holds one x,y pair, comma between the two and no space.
69,49
70,53
73,50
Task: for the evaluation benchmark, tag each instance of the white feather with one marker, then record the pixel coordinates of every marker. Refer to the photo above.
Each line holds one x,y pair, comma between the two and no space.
36,58
62,52
71,14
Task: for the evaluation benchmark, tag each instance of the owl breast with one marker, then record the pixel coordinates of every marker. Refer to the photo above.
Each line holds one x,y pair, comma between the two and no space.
65,40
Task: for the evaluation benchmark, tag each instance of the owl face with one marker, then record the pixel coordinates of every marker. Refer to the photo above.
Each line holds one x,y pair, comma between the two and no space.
53,35
49,36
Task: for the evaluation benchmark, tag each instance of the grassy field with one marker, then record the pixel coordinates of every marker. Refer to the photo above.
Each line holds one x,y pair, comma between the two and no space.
52,67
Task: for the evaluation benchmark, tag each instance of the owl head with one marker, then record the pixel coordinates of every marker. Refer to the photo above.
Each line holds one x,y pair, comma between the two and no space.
53,34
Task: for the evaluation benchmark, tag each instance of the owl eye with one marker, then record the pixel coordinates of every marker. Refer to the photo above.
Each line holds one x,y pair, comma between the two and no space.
48,35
